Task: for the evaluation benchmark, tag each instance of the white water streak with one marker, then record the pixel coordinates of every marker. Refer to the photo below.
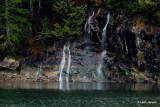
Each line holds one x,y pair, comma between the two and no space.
69,63
63,62
103,54
87,27
105,29
99,70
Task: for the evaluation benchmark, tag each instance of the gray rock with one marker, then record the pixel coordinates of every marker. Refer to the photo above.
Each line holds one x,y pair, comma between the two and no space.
9,63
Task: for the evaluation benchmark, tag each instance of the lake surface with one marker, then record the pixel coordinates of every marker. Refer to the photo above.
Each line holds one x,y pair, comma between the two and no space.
50,94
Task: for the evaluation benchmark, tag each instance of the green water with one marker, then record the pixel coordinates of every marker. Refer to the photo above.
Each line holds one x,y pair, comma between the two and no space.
118,95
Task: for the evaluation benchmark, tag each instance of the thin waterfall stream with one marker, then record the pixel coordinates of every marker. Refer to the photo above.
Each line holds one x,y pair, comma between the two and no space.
103,54
39,71
87,27
88,32
69,64
66,50
62,64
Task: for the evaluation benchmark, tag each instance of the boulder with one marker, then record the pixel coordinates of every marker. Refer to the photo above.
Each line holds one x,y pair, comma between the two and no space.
9,64
29,72
51,74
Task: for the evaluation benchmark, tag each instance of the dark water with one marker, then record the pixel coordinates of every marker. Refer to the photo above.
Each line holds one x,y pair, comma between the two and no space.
79,95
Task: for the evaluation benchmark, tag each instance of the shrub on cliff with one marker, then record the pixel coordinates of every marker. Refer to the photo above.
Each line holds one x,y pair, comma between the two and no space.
113,5
156,18
151,10
98,3
131,6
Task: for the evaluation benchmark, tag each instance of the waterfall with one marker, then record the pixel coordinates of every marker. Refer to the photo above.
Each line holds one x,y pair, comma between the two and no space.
87,27
138,42
39,71
62,64
105,29
63,61
69,64
103,54
99,69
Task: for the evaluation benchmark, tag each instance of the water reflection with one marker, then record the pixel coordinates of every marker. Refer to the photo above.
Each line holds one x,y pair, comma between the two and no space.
64,86
80,86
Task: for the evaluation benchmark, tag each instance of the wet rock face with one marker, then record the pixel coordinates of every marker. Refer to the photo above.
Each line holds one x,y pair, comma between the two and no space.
128,43
148,44
83,53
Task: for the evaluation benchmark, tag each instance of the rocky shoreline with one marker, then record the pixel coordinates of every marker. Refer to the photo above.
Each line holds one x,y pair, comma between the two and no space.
12,76
12,70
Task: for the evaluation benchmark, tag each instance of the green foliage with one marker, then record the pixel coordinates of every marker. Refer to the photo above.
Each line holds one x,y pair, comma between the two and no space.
98,3
54,1
156,18
113,4
46,31
18,26
66,32
149,5
151,10
142,21
72,16
131,6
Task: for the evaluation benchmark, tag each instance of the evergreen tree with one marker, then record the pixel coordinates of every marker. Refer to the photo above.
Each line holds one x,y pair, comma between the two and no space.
14,25
72,16
109,4
113,4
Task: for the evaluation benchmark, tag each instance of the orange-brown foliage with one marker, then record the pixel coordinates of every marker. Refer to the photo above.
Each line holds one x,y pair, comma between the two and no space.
36,50
79,2
52,48
31,41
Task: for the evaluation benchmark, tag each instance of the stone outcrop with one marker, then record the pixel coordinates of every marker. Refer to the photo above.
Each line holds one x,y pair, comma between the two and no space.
10,64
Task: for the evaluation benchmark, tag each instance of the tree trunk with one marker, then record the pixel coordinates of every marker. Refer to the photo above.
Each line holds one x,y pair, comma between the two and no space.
7,21
39,4
31,9
31,6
